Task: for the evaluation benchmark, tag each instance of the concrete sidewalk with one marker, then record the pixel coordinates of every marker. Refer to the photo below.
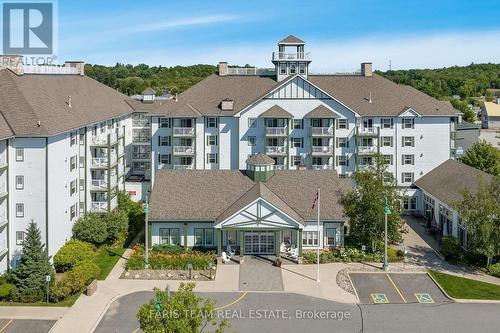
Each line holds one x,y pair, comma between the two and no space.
32,312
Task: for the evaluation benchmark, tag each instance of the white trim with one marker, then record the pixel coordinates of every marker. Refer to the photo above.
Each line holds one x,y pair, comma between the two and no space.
404,113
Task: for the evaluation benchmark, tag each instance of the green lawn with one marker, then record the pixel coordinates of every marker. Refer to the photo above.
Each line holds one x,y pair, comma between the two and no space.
458,287
106,258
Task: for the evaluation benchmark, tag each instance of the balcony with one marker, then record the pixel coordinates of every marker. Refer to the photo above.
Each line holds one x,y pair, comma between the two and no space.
99,184
183,150
184,131
276,150
321,131
321,150
121,150
102,162
99,206
279,56
183,166
104,139
367,150
3,160
141,156
279,167
121,170
322,167
276,131
3,190
3,220
366,131
3,247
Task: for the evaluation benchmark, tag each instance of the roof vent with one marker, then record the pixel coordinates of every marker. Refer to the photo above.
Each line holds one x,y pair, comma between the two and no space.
38,124
227,104
370,98
69,101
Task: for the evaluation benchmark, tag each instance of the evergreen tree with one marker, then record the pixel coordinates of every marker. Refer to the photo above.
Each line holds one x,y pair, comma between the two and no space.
34,265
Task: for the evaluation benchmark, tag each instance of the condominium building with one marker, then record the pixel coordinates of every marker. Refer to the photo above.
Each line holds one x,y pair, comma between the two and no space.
62,151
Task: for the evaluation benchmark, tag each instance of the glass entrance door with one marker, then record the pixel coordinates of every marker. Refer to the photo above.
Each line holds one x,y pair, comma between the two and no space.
259,242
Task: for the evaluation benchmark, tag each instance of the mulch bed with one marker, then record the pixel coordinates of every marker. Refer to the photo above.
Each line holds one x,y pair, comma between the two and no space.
159,274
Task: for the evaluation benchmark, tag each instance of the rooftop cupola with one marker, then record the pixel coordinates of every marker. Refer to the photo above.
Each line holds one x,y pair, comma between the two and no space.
291,58
148,95
260,167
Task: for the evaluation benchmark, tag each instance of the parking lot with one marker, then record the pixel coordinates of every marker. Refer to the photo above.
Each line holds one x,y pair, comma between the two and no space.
25,325
384,288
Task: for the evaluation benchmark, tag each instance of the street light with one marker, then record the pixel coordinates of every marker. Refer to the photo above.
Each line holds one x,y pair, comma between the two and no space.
146,236
210,267
387,211
190,268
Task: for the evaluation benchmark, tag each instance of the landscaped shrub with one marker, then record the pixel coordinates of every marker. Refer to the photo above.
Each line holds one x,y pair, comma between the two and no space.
6,290
494,269
74,280
348,254
159,260
101,228
168,249
116,225
450,248
134,212
71,253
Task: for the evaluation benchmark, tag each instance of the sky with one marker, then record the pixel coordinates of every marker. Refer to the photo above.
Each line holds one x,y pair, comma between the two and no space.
339,34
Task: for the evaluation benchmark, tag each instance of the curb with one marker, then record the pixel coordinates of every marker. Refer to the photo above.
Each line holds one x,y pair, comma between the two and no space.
352,285
462,300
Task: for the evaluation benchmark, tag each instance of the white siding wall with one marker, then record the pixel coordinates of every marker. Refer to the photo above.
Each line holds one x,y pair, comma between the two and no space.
156,226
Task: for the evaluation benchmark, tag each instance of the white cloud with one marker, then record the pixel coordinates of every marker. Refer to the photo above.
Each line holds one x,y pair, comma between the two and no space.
170,24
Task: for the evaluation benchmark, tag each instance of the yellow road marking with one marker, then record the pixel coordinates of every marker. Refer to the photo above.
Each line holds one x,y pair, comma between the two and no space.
5,326
396,287
233,302
136,330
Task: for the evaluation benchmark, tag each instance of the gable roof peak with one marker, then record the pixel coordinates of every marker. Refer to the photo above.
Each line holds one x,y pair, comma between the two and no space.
291,39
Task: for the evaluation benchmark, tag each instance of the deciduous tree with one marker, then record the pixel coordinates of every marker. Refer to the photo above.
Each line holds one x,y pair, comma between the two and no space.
483,156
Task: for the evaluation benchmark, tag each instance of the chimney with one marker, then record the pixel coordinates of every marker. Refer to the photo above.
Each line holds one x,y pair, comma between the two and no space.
79,65
12,62
366,69
223,69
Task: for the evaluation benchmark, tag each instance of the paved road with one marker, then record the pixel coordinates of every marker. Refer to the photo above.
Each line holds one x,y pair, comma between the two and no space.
25,325
285,312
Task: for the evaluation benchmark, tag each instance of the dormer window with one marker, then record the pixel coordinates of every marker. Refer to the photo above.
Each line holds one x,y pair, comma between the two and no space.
227,105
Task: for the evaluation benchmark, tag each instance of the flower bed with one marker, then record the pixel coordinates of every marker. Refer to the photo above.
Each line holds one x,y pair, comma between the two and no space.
350,254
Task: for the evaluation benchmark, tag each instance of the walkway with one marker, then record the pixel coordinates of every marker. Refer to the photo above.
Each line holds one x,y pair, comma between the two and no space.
257,273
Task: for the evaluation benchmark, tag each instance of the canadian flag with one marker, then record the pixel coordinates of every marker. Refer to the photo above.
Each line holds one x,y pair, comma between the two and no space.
315,200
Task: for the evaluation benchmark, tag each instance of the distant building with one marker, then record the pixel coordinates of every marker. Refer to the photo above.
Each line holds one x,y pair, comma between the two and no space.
467,135
490,114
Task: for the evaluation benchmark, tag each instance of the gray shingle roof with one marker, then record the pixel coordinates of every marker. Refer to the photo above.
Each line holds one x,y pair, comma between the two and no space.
260,159
27,99
208,195
291,39
449,179
149,91
276,111
321,111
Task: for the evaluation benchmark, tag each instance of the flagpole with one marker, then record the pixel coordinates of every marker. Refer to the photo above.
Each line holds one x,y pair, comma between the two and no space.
318,238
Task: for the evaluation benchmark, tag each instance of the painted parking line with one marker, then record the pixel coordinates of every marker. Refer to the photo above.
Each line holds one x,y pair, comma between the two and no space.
6,325
396,287
424,298
380,298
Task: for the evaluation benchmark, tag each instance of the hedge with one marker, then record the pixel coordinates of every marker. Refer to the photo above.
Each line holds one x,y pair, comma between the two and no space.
74,280
71,253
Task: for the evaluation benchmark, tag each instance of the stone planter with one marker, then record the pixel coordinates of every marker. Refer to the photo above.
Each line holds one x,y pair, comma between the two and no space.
91,288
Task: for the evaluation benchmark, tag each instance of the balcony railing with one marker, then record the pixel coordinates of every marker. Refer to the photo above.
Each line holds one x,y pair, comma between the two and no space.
100,183
322,150
3,246
102,161
278,131
141,156
121,150
3,189
3,160
100,140
183,166
371,131
321,131
279,167
99,206
183,131
367,149
184,150
275,149
291,56
141,139
322,167
140,122
3,219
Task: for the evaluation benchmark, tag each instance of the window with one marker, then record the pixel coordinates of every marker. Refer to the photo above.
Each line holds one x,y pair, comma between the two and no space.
407,177
386,141
298,124
103,127
409,203
19,210
388,178
163,141
169,236
365,160
462,233
302,68
282,68
342,160
211,140
408,141
19,237
293,68
163,158
408,123
252,140
388,159
252,122
297,142
204,237
72,212
141,166
212,158
296,160
164,122
342,124
19,182
72,187
72,138
310,238
342,143
211,122
408,159
331,234
72,163
386,123
19,154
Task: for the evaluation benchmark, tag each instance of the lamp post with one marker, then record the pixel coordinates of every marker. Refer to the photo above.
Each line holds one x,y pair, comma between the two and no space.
190,268
387,211
211,267
146,236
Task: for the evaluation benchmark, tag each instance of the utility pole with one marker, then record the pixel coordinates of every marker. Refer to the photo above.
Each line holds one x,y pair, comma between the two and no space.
317,249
